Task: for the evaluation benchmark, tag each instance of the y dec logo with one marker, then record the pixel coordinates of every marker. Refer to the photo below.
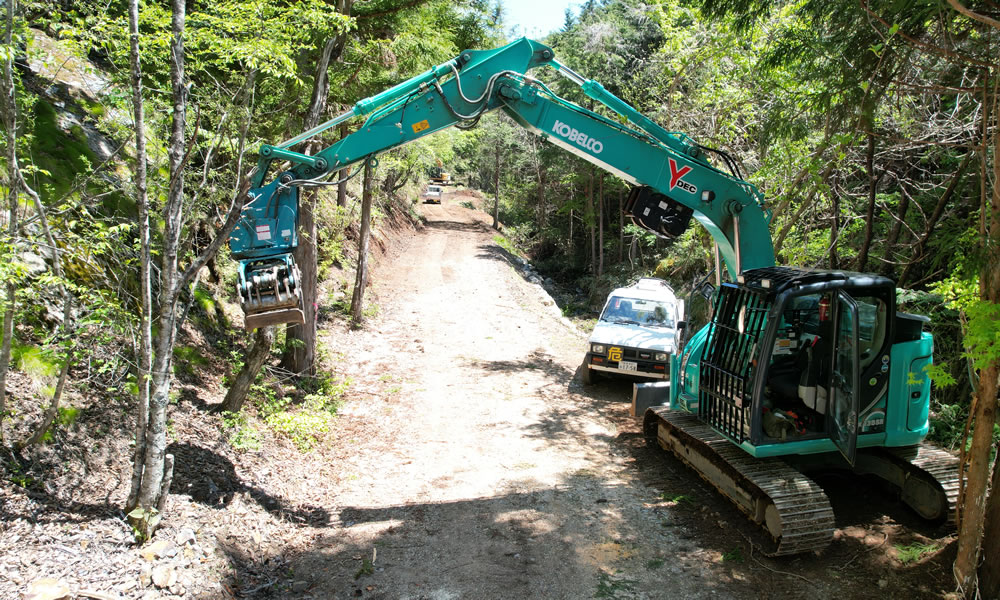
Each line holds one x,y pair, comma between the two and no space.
677,178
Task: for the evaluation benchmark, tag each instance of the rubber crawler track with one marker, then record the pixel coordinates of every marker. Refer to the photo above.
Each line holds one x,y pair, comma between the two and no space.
803,509
929,462
805,513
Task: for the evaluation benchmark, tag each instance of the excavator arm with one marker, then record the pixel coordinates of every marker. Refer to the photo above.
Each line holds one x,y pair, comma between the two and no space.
673,178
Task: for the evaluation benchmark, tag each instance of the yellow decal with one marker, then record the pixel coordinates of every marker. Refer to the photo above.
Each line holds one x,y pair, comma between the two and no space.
615,354
422,125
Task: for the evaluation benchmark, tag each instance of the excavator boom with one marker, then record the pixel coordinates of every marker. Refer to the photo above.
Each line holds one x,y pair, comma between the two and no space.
675,180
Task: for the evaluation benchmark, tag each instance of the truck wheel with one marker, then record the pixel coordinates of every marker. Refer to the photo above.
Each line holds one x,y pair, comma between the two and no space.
587,375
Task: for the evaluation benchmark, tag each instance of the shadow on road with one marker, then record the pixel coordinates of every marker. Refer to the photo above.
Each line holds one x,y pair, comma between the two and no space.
475,227
478,548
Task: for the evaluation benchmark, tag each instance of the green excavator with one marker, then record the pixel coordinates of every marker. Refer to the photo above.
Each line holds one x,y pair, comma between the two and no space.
797,370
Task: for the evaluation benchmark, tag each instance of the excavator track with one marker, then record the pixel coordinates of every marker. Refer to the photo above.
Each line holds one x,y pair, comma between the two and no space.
930,482
790,507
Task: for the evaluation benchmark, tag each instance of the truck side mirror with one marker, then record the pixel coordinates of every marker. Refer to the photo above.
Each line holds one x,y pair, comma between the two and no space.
682,325
707,290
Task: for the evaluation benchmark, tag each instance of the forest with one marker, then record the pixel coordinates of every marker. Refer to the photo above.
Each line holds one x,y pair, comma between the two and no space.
872,128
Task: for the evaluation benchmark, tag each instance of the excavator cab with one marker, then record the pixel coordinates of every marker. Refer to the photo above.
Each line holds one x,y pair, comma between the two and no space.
786,352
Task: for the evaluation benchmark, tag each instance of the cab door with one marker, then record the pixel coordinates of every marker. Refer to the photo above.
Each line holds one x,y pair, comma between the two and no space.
845,379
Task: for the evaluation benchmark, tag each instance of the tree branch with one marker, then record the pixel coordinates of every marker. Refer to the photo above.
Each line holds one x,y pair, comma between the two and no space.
389,11
958,6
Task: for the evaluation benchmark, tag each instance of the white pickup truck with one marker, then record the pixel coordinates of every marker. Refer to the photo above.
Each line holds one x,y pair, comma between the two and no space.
432,195
636,333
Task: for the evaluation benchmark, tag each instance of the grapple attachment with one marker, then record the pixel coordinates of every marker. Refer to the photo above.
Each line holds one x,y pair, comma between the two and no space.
263,241
657,213
270,292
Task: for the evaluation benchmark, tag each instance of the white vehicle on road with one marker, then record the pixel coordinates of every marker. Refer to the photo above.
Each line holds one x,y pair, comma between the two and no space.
636,333
432,195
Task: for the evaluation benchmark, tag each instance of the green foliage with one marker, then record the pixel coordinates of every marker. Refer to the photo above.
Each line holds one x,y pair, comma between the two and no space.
654,564
504,243
143,522
187,359
304,424
67,415
241,433
734,555
38,363
914,552
611,586
367,568
303,428
678,499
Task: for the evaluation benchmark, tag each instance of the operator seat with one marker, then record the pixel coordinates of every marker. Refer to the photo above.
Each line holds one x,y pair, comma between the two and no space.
815,375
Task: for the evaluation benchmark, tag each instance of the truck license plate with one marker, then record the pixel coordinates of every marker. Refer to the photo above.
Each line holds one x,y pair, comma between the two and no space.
627,365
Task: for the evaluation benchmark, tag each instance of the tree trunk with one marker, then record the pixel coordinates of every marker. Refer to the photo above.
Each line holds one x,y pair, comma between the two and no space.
342,175
591,221
600,225
300,355
989,571
870,212
68,321
145,349
53,409
897,227
972,509
10,125
571,228
496,187
621,225
361,278
263,339
542,210
834,223
151,486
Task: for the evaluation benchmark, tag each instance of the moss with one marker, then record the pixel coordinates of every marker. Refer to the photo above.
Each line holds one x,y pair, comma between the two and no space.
64,156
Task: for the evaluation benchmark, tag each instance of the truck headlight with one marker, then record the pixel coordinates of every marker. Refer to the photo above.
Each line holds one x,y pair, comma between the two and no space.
597,348
661,357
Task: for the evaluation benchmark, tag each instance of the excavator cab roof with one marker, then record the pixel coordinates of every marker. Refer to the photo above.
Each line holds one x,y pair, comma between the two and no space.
776,280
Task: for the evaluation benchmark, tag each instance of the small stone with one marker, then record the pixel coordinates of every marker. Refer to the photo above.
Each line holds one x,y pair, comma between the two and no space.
883,583
146,575
47,589
184,536
300,586
164,576
155,550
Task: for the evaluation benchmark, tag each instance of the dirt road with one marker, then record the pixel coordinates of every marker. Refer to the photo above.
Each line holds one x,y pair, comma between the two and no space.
490,472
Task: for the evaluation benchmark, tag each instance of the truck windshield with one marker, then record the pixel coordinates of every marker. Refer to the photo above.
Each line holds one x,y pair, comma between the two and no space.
651,313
